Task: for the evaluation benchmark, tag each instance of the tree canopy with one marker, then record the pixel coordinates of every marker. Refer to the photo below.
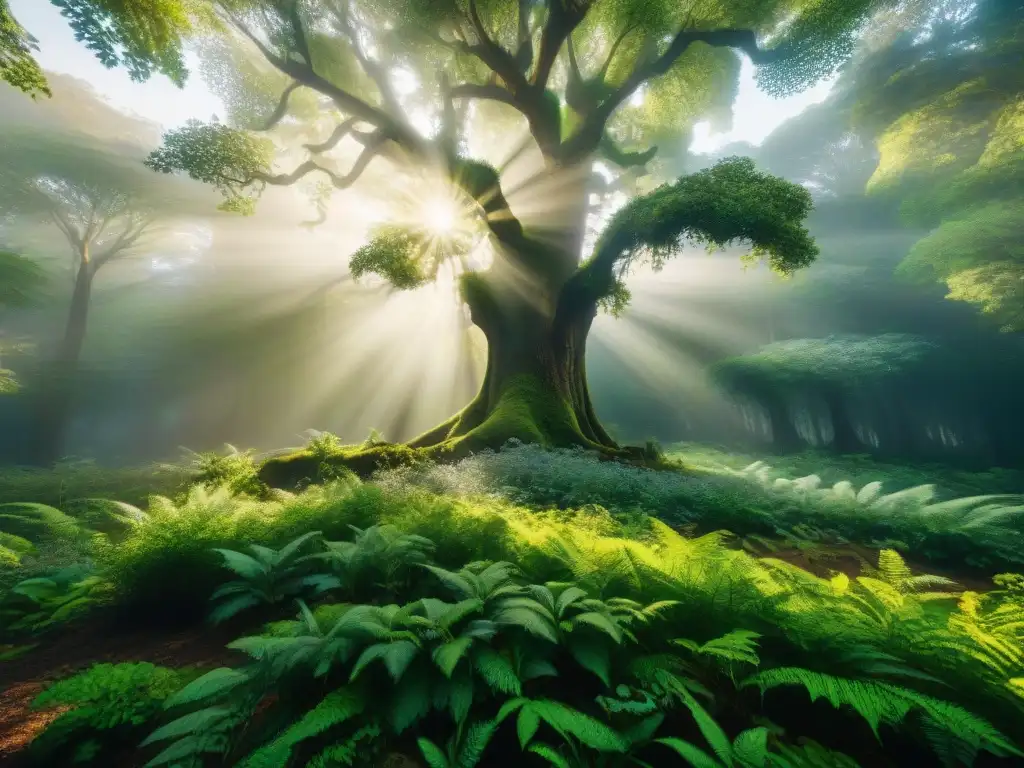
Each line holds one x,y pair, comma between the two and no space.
590,78
947,108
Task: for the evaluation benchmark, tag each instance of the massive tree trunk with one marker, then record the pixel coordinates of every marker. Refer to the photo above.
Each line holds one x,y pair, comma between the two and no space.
535,306
535,386
58,391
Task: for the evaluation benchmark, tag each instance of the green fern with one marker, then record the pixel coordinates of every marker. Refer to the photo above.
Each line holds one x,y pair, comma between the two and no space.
879,702
738,646
337,707
359,748
809,755
268,577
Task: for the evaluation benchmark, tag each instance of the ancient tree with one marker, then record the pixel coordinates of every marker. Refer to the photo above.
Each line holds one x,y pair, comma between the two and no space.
609,80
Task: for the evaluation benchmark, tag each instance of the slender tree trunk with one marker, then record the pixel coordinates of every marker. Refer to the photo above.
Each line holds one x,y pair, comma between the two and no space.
59,389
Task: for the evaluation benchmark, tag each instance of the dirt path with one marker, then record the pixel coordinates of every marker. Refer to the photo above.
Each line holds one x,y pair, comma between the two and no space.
72,649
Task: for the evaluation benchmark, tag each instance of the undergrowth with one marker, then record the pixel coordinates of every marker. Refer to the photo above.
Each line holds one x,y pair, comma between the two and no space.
465,634
528,607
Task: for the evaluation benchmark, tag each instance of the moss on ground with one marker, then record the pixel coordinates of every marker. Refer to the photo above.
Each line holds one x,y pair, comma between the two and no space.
526,411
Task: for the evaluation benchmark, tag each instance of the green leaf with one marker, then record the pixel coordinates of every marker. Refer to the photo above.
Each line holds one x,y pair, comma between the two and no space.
475,742
529,620
696,757
213,683
567,598
435,757
526,725
411,701
510,706
233,607
194,721
594,657
708,727
396,656
290,549
644,730
448,655
750,748
600,622
585,728
497,671
549,754
337,707
242,564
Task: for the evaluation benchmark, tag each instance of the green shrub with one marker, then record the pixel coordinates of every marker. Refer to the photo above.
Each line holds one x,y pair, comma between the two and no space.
234,469
38,603
268,577
107,707
36,522
113,518
147,566
585,671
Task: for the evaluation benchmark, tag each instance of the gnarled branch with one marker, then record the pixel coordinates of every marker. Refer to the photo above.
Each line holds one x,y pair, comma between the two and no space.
491,91
613,153
371,150
563,17
282,106
345,101
340,132
494,55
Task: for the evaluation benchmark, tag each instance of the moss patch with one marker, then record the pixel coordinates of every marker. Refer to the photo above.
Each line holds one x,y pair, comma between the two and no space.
304,467
527,411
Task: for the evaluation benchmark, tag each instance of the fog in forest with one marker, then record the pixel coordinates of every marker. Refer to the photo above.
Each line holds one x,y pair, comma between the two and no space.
208,327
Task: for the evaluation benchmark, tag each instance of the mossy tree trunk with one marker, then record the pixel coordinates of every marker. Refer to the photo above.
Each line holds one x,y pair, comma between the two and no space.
536,326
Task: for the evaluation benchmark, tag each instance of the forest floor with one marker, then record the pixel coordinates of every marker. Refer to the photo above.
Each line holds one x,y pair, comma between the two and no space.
540,481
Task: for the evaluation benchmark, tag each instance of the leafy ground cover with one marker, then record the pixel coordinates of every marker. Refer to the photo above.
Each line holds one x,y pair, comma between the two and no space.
522,607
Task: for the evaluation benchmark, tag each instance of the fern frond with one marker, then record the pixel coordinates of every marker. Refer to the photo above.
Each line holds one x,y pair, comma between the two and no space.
497,671
397,657
695,756
213,683
335,708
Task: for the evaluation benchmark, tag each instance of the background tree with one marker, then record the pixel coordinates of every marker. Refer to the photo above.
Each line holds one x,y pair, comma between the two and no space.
945,104
62,190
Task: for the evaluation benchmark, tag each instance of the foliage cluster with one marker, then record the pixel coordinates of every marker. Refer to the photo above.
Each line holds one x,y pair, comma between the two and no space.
717,497
417,634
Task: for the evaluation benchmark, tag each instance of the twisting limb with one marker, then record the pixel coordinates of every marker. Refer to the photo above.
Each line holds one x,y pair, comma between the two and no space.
563,17
339,133
615,49
493,55
491,92
133,230
371,150
282,107
524,51
612,152
343,13
590,134
345,101
300,32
